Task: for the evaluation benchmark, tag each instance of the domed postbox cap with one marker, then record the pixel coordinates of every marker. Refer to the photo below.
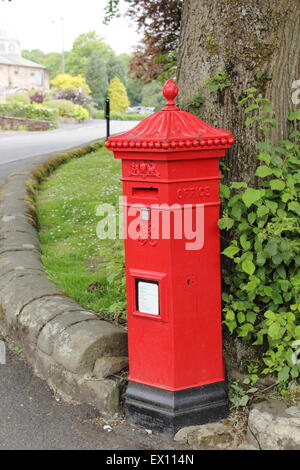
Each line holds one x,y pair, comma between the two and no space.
171,130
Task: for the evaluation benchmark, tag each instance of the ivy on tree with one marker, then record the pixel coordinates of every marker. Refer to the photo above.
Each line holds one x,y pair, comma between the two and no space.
262,294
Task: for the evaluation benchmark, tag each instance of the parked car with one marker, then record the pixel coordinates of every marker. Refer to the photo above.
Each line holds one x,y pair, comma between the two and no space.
140,110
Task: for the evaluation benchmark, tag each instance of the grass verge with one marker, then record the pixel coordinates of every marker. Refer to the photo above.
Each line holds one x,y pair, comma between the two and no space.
89,270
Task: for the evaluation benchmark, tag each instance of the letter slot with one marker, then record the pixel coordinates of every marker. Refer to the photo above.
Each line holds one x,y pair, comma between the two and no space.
151,193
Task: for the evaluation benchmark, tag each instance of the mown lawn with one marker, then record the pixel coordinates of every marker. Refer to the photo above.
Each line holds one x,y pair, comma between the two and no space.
86,268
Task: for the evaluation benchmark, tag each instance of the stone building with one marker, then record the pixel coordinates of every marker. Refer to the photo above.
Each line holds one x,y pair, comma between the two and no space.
16,72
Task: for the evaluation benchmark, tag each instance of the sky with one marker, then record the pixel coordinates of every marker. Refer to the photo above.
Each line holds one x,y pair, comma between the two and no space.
38,25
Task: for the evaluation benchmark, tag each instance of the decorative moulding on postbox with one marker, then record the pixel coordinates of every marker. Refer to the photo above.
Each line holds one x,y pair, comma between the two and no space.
171,130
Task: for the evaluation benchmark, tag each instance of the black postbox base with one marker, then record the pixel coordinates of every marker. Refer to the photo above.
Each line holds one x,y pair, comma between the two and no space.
166,412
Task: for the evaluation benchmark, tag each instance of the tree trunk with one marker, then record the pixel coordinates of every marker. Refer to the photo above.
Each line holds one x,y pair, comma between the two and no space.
257,43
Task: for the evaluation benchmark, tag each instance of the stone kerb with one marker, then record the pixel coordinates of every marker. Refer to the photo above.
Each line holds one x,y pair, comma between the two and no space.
64,343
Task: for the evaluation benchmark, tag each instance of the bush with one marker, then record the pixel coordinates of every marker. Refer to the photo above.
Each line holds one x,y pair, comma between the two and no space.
76,96
37,97
29,111
68,109
65,108
262,277
19,98
117,94
80,113
68,82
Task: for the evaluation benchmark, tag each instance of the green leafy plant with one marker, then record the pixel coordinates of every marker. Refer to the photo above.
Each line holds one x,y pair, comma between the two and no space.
80,113
18,350
218,82
239,395
261,227
263,75
22,98
253,377
29,111
194,104
65,108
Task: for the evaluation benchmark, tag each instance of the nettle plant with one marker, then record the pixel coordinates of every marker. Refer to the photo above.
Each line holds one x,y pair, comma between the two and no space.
262,277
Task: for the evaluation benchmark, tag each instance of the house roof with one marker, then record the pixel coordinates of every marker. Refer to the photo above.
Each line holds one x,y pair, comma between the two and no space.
14,59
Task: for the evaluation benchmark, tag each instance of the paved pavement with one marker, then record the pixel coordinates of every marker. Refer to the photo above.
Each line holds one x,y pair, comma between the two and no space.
31,417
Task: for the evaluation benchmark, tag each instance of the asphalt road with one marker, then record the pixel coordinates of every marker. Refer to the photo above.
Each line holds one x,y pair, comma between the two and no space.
18,147
31,417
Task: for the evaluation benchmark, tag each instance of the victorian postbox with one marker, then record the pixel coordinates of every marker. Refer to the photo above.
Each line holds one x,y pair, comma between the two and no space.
170,175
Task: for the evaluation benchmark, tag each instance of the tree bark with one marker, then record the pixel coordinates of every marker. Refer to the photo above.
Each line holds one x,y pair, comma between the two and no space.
243,38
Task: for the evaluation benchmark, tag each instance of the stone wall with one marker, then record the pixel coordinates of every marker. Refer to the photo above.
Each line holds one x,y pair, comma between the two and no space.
12,123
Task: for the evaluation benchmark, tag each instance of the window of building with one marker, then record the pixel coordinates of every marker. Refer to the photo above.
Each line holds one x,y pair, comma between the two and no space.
39,78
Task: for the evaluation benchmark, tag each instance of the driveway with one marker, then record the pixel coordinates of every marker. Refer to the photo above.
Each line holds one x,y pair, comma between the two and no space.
18,146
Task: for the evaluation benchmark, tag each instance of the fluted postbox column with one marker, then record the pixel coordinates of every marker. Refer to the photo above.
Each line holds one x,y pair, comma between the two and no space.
170,175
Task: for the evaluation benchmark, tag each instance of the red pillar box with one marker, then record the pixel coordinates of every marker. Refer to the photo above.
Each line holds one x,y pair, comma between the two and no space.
170,174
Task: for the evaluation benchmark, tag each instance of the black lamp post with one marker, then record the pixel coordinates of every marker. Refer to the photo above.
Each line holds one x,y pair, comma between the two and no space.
107,116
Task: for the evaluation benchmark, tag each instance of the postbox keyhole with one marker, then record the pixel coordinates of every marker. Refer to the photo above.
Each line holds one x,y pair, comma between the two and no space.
188,282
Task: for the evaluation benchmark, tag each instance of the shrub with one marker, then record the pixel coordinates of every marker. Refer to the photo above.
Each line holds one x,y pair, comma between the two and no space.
37,97
262,275
76,96
68,109
117,93
65,108
72,88
29,111
19,98
80,113
68,82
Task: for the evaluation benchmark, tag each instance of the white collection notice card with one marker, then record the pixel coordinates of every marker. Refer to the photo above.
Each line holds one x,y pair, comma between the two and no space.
148,301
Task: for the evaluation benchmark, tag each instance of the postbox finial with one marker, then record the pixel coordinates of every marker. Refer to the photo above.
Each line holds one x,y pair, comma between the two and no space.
170,91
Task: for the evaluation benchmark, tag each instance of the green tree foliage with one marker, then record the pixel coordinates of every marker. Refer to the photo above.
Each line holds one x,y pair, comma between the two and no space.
119,101
152,95
125,58
116,68
82,49
134,91
36,55
96,77
93,59
52,60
